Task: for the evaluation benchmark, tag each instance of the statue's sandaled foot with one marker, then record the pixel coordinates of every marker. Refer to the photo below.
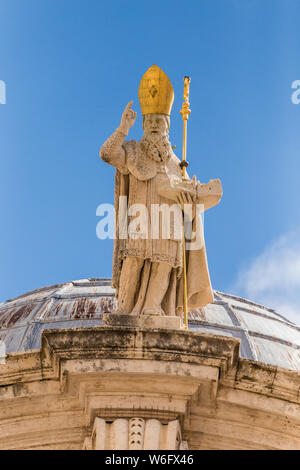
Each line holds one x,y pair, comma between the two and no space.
121,312
153,311
157,311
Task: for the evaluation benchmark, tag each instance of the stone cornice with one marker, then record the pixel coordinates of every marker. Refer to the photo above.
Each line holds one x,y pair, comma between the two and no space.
121,343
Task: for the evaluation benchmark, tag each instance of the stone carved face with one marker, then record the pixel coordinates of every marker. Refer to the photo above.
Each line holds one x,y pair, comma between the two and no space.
156,126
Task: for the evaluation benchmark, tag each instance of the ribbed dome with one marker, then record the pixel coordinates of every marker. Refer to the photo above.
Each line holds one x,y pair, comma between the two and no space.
266,336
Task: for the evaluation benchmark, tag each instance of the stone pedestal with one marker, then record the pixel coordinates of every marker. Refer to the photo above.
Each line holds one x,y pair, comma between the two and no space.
143,321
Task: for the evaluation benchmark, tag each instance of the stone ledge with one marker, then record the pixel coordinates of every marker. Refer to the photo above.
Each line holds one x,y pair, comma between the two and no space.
110,342
143,321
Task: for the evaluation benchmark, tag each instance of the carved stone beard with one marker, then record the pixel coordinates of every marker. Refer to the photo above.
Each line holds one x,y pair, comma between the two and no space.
157,148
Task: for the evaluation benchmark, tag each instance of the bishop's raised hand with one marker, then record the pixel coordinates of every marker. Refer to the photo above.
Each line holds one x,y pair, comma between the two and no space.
128,118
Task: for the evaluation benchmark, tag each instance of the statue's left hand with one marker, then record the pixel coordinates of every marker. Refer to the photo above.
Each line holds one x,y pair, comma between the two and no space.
188,197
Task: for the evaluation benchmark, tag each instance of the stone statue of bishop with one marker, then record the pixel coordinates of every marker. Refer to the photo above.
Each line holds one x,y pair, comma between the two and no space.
148,270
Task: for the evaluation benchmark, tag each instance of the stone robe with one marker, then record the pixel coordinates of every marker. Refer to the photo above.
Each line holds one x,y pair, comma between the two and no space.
139,179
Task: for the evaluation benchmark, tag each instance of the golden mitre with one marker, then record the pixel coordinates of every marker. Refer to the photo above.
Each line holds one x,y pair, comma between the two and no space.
156,94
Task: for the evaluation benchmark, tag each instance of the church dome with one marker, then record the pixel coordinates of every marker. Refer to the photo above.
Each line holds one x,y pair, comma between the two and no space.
266,336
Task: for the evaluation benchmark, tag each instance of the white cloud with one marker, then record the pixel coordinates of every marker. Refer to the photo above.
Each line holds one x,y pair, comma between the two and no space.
273,277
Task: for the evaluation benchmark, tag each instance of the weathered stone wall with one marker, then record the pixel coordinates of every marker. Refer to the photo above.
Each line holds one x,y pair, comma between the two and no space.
54,398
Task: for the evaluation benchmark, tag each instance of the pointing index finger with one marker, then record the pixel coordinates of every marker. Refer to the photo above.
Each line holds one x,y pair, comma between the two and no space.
129,105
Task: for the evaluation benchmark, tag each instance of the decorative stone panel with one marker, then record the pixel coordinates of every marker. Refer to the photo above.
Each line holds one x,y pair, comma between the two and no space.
134,434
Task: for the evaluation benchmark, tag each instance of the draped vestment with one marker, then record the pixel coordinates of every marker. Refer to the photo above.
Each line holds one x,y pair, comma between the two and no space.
139,179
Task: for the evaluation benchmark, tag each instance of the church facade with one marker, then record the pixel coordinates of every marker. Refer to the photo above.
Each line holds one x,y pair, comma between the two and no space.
76,377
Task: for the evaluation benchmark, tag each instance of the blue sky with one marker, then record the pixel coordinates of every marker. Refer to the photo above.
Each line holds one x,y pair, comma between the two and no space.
71,66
